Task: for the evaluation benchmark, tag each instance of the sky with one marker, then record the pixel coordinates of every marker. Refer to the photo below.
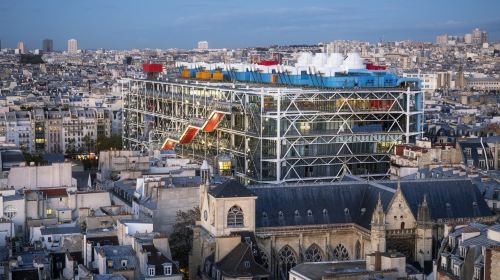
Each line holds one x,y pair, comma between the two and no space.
127,24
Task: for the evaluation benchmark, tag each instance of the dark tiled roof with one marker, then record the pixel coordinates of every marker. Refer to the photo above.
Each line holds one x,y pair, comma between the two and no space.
12,156
447,198
230,188
60,230
354,202
344,202
240,263
157,259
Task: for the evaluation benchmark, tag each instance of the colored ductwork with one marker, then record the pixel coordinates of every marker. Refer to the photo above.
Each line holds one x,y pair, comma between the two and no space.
213,122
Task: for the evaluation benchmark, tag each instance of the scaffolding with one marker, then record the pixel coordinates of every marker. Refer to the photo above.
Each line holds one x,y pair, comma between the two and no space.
274,134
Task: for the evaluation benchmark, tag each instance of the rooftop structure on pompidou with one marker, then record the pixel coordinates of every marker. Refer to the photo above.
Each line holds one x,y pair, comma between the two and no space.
270,123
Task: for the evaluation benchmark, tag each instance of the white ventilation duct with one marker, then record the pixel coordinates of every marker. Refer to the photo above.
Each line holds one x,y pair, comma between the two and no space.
353,61
304,59
335,60
319,60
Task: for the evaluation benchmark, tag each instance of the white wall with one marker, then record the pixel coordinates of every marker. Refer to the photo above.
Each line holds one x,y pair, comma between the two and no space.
33,177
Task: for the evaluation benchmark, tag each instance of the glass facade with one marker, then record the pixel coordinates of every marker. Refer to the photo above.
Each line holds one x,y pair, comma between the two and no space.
274,135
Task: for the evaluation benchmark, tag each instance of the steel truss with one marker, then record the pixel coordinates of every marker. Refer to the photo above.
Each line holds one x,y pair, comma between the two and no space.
274,135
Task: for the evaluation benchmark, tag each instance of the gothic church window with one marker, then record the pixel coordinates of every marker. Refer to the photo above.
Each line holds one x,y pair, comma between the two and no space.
265,259
235,217
340,253
314,254
357,250
287,260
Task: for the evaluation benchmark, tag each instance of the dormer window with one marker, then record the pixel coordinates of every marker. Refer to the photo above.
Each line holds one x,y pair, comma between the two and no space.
463,251
309,213
443,263
124,263
477,273
151,271
297,213
167,269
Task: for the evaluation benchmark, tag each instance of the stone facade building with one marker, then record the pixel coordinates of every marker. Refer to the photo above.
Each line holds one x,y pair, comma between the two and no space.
287,225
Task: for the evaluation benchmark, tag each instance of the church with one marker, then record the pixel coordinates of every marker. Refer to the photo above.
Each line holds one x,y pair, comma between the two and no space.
261,232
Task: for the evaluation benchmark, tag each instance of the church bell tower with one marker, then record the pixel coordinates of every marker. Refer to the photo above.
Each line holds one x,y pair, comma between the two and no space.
378,239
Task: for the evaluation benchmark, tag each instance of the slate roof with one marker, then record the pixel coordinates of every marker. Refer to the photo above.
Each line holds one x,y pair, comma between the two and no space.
240,263
344,203
446,198
117,253
157,259
12,156
60,230
354,202
230,188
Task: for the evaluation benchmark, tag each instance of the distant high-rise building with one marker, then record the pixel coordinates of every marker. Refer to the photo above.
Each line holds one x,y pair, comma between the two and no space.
468,38
479,37
72,46
48,45
203,45
20,47
442,39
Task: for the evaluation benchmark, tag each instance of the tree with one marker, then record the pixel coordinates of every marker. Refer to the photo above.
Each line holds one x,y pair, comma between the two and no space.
37,159
88,143
107,143
181,237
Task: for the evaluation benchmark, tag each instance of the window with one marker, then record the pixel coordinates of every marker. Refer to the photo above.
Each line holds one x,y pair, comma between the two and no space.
151,271
287,260
357,250
9,211
235,217
246,264
124,263
314,254
167,269
265,259
477,273
340,253
48,211
110,263
443,263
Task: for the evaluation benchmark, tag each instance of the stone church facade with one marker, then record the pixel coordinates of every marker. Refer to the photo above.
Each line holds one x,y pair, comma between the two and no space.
281,226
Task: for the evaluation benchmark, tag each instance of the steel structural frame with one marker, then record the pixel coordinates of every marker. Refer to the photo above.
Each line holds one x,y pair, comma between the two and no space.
154,110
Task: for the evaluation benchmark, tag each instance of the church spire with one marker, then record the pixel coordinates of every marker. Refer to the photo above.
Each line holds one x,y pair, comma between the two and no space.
378,218
423,214
377,232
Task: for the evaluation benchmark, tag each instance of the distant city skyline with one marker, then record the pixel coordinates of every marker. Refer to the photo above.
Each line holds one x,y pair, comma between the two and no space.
130,24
